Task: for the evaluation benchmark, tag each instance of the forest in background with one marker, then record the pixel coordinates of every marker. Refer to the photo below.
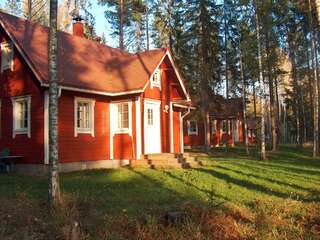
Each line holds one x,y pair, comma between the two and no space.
266,52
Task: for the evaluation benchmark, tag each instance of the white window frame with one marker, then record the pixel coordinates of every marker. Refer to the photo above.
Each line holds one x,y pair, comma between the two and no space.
156,75
189,130
89,130
11,63
15,130
118,130
222,123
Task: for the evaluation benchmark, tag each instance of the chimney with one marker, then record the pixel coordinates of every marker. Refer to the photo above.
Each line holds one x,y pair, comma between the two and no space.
78,29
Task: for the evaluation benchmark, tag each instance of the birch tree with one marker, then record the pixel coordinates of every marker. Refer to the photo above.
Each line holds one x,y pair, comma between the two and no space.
54,187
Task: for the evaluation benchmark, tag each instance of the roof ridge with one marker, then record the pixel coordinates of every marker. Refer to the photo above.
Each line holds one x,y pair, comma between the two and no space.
65,33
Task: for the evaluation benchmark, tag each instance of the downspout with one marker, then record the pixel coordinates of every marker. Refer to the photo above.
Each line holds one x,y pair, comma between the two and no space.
181,130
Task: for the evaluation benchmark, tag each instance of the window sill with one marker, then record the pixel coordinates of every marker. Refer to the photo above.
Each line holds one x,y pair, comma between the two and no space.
121,131
192,133
90,132
21,132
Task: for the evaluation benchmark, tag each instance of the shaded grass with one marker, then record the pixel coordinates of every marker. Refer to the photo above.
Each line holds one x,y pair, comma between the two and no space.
288,184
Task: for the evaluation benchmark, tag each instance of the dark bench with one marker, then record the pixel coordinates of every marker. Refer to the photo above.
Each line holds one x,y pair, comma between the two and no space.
6,161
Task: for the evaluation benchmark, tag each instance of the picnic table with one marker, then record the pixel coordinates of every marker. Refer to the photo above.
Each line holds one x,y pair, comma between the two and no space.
8,162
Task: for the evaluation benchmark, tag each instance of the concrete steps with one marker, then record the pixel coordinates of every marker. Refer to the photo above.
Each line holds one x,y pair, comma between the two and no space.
166,160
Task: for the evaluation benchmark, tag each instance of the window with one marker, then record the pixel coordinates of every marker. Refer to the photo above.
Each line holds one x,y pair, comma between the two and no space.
21,115
150,117
156,79
224,126
84,116
6,56
192,127
214,127
123,116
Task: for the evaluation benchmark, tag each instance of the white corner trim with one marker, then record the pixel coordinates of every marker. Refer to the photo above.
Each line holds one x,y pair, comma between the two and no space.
16,131
171,128
46,127
190,133
112,122
138,127
78,131
181,133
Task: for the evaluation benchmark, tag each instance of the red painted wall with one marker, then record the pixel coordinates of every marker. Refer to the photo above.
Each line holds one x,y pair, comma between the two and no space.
176,132
170,90
194,140
84,147
217,138
21,82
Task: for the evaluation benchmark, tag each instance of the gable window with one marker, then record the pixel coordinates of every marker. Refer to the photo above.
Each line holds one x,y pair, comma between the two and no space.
156,79
192,127
123,116
84,116
6,56
21,115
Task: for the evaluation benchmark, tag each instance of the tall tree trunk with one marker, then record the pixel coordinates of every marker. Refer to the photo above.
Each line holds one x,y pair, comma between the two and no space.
244,110
121,27
147,27
29,10
54,188
310,81
315,87
254,101
226,51
263,135
271,91
277,110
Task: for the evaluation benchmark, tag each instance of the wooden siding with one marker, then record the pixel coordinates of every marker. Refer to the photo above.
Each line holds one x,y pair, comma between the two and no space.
83,147
20,82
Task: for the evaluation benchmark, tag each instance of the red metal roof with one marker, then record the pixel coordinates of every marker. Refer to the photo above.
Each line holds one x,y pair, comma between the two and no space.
82,63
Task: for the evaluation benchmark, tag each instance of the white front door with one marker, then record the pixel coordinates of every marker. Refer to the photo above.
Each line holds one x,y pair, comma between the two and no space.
152,143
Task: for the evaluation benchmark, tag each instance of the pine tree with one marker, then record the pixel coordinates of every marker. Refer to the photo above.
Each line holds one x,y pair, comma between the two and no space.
13,7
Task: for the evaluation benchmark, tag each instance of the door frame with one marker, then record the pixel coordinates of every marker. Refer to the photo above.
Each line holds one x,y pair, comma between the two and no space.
158,104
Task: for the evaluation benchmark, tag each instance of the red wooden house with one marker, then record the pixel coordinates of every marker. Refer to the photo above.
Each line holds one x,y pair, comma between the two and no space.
226,124
114,106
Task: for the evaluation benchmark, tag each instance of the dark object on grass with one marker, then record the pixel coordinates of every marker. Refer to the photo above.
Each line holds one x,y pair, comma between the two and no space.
175,217
3,154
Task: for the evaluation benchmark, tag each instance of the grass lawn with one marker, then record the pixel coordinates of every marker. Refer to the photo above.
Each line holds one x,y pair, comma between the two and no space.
274,199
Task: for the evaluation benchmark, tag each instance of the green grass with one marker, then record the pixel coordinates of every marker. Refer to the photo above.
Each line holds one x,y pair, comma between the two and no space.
225,179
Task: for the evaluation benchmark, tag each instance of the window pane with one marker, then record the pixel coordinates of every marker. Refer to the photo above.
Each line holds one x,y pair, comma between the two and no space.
83,115
123,115
21,111
150,117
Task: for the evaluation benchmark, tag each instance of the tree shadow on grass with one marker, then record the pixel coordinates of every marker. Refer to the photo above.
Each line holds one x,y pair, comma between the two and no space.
243,183
274,169
272,180
188,184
